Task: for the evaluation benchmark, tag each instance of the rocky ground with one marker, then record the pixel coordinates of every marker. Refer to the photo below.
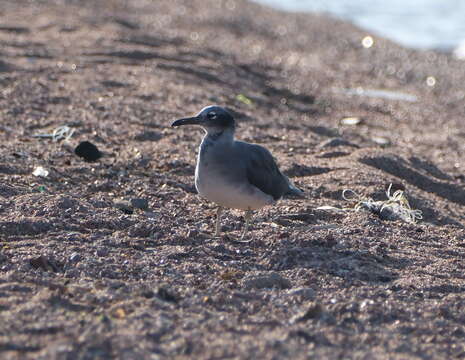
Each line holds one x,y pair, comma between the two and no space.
116,259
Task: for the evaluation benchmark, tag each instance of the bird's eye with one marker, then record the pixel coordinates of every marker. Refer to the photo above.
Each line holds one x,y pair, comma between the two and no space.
211,115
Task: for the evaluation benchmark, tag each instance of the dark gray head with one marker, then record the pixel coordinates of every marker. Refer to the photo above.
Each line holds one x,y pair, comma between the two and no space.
213,119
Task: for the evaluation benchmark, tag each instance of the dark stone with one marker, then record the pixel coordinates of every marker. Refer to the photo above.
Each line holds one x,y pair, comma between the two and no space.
44,264
334,142
75,257
124,206
88,151
313,311
140,203
166,295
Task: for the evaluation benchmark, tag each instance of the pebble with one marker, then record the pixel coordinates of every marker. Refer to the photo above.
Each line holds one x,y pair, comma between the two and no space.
272,280
381,140
166,295
102,252
313,311
66,203
72,273
124,206
303,293
75,257
139,203
43,263
336,142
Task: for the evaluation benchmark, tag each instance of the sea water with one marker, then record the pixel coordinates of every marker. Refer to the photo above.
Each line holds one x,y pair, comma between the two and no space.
420,24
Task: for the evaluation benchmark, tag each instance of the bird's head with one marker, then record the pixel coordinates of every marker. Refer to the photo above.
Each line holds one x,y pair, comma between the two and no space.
214,119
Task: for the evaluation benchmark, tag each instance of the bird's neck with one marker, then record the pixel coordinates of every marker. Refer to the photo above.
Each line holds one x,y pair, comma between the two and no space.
220,136
216,138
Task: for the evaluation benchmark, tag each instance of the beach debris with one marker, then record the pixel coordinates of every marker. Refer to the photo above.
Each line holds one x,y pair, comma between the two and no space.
60,133
88,151
396,207
40,171
352,120
244,99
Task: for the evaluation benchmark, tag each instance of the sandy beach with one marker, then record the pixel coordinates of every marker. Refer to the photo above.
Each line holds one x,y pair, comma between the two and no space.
115,258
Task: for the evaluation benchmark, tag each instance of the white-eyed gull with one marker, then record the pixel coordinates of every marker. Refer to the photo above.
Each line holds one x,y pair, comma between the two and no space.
234,174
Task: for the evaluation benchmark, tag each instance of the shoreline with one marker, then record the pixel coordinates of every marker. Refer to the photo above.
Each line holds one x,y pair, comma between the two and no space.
413,37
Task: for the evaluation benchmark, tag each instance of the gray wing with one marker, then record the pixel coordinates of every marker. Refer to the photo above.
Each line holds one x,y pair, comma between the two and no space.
263,173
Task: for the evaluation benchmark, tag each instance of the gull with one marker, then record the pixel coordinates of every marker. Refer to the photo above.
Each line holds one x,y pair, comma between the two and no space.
234,174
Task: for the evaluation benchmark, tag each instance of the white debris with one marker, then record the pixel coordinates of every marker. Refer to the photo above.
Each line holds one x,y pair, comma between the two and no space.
40,172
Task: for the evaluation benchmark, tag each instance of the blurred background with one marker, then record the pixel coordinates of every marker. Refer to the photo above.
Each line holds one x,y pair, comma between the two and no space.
420,24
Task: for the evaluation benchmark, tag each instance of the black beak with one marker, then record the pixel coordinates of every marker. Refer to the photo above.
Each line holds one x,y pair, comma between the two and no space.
187,121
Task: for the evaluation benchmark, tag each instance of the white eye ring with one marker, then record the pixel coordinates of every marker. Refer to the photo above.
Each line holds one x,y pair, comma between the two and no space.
211,115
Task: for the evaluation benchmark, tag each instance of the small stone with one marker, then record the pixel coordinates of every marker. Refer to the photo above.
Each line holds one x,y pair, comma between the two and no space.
66,203
314,311
303,293
124,206
381,140
333,154
44,264
102,252
75,257
2,258
138,246
88,151
166,295
268,281
148,294
119,313
192,233
140,203
336,142
72,273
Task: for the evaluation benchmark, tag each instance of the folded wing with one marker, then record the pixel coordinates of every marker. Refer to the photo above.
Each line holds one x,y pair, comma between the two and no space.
263,172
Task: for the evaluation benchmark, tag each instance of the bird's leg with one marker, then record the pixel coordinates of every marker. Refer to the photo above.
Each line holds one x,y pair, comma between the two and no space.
248,215
218,222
